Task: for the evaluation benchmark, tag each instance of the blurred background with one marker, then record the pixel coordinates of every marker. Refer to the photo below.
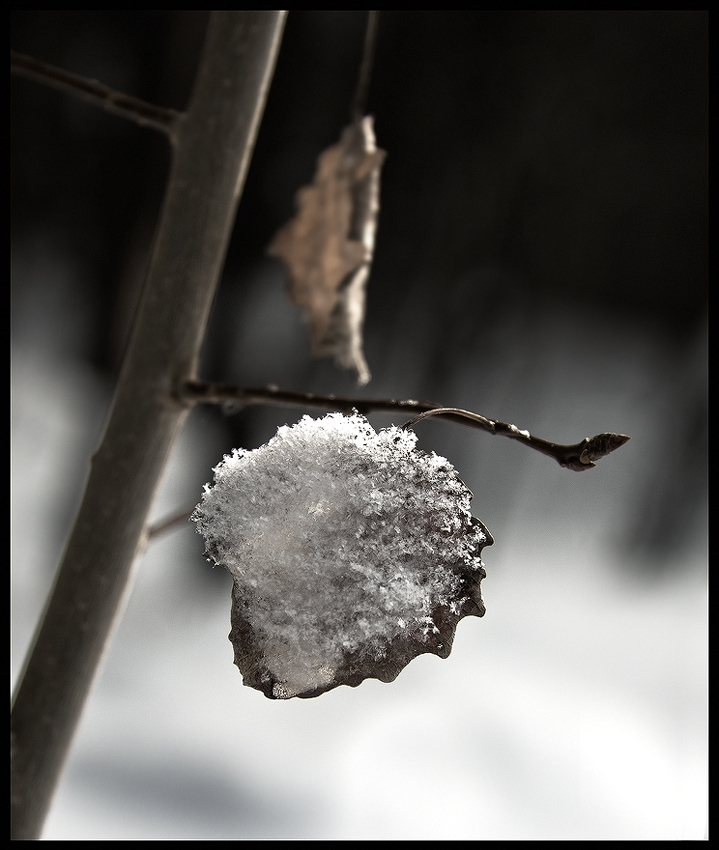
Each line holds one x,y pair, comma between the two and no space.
541,258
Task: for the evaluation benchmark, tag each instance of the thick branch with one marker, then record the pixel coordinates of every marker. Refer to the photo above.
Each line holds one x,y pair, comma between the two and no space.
578,456
146,114
211,157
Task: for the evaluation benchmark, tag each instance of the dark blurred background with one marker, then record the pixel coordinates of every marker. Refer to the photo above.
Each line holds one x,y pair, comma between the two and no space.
540,164
541,254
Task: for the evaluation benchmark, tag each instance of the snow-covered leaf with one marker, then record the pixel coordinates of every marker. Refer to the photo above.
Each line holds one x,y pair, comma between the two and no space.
327,247
351,552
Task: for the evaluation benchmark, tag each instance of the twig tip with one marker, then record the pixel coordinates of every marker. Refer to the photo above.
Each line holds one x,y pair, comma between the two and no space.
601,445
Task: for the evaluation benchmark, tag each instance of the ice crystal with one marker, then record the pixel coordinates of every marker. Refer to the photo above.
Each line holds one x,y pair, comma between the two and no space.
351,552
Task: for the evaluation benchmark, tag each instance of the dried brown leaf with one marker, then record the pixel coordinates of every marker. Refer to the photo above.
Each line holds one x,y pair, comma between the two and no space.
327,247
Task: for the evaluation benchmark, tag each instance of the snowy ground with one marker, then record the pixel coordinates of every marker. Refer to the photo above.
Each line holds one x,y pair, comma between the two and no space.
575,709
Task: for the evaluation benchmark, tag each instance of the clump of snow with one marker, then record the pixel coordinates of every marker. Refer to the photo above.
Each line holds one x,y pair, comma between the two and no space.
351,552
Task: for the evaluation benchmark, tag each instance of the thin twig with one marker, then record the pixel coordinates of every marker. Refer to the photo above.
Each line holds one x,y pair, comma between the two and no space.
139,111
168,523
578,456
203,392
359,104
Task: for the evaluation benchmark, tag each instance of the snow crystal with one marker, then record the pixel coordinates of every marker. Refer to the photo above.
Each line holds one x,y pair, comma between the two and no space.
351,552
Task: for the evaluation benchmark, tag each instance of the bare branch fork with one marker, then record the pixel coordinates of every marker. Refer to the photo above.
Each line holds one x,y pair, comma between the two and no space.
578,456
213,142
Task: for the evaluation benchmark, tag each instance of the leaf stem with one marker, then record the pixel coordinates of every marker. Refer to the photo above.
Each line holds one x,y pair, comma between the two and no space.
359,104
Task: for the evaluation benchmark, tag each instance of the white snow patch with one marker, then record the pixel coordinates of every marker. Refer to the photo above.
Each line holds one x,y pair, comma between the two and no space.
339,538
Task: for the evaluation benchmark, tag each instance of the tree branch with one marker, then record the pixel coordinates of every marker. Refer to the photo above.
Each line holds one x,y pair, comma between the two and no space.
139,111
202,392
578,456
209,165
